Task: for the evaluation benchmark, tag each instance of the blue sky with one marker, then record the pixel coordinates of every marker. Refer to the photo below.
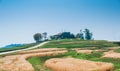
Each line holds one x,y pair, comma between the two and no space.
20,19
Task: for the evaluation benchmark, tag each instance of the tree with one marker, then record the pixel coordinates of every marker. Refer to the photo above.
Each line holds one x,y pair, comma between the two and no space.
52,37
37,37
78,35
72,36
81,35
88,34
45,35
63,35
55,37
66,35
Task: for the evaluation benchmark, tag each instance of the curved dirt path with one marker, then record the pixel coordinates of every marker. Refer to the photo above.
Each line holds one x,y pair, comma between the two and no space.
19,62
24,49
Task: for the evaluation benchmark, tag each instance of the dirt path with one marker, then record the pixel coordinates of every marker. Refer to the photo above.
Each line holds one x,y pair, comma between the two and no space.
20,63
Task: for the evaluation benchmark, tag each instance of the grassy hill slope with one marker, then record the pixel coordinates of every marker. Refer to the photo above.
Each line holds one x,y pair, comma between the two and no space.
17,47
67,43
38,62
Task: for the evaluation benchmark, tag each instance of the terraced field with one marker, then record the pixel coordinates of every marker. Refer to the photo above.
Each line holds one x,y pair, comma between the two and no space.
80,50
97,53
19,62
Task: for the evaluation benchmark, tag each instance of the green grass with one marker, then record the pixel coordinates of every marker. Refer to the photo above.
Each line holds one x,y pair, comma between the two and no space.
17,48
38,62
117,50
67,43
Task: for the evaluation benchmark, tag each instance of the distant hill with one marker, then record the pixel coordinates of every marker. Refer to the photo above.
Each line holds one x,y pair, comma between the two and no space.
13,45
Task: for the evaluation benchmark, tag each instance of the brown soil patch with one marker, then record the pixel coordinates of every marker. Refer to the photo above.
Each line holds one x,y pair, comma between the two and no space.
41,50
111,54
113,48
19,62
86,51
72,64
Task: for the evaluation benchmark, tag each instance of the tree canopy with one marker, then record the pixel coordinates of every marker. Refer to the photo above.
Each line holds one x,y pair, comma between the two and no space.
37,37
88,34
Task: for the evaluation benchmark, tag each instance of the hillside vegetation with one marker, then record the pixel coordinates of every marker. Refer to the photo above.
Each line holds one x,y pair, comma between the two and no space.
38,62
74,43
17,47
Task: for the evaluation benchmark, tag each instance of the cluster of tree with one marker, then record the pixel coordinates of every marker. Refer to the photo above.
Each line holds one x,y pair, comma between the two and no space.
38,37
83,35
63,35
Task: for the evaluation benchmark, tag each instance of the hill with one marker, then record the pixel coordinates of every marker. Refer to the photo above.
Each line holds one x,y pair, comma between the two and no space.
16,47
38,62
13,45
74,43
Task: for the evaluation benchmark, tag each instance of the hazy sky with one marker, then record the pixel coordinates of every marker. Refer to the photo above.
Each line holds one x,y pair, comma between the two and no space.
20,19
